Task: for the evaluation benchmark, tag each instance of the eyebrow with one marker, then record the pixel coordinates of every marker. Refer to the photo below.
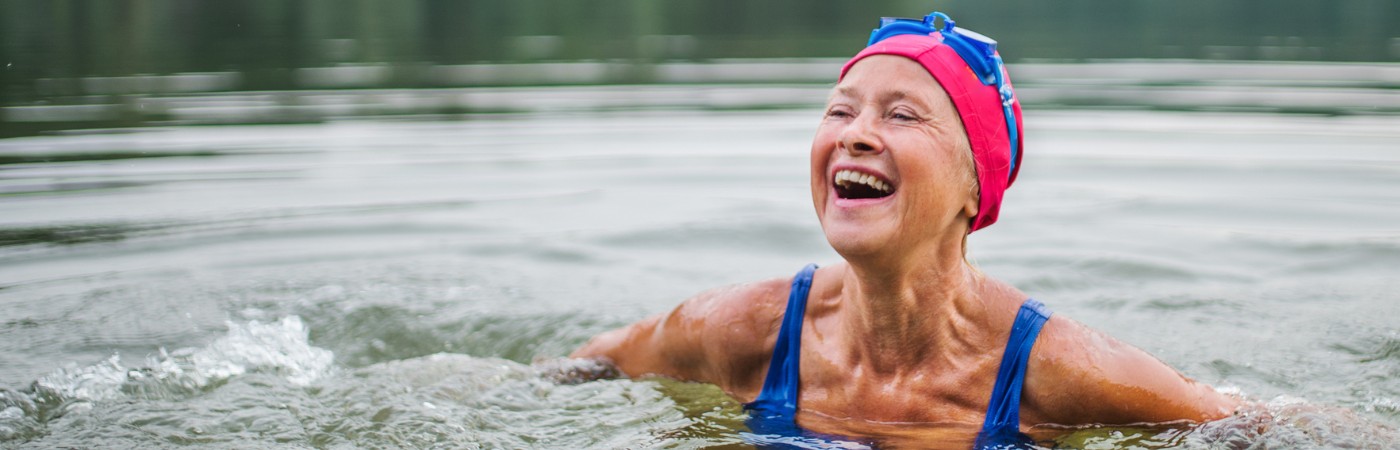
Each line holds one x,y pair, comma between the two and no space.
885,97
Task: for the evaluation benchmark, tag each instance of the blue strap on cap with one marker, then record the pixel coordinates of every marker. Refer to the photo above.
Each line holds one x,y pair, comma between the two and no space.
979,52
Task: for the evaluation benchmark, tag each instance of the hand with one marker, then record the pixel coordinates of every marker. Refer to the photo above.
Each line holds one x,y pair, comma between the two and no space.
576,370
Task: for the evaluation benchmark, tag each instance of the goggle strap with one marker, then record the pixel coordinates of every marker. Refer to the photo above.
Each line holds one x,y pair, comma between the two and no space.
979,52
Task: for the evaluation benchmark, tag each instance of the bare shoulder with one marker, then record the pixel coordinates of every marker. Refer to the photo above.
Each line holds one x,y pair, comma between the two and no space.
719,336
735,321
1079,375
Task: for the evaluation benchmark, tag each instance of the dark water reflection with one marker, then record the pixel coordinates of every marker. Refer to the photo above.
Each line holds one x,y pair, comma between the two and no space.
477,91
73,43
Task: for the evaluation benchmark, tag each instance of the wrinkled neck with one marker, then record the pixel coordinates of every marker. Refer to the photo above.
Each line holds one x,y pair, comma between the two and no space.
900,314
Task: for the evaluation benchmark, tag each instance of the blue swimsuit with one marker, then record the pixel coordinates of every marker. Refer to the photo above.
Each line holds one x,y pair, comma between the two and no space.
771,414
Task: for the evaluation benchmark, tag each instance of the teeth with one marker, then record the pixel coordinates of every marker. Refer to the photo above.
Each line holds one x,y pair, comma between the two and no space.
846,177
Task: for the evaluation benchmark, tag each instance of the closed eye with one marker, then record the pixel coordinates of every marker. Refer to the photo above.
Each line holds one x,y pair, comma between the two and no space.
838,113
905,117
904,114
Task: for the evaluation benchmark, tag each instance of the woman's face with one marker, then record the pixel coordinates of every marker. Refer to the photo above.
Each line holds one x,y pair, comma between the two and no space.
891,167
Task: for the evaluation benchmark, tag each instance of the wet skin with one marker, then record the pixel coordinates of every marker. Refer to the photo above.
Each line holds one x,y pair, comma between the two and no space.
902,330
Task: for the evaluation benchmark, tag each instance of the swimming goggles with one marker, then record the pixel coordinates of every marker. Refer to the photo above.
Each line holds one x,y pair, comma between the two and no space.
978,51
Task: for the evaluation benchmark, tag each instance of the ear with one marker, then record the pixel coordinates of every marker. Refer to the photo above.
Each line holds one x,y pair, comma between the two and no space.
971,207
973,204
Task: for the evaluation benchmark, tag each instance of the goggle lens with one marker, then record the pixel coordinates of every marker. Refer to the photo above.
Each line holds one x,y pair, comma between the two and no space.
979,52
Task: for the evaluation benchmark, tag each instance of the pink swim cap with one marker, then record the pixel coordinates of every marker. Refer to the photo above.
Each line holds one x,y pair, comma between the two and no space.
980,105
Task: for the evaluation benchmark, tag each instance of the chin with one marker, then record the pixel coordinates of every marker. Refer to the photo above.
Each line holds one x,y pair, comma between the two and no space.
856,243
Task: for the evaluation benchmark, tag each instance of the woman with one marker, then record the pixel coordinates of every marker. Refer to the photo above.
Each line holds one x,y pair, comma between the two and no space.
920,138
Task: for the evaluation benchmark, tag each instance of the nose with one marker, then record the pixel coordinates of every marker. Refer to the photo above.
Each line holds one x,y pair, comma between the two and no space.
859,136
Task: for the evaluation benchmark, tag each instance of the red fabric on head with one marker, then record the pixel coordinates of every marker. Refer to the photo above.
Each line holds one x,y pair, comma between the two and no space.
978,105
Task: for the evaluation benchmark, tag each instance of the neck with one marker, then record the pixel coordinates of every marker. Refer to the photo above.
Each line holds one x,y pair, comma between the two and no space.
901,313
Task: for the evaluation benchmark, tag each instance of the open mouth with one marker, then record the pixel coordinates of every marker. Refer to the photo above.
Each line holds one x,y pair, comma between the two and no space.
855,185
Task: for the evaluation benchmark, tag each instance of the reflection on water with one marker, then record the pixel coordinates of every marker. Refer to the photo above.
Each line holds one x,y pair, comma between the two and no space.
411,283
469,92
273,46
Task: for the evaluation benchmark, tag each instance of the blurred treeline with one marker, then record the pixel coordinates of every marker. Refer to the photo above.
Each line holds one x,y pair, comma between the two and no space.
266,40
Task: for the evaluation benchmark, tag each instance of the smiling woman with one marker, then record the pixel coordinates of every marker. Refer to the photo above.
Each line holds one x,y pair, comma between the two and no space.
889,102
920,139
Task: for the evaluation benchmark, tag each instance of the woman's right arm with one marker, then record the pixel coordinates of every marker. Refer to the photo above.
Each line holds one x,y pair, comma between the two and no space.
722,336
657,345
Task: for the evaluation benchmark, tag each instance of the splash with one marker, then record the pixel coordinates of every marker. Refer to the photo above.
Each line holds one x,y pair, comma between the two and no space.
280,348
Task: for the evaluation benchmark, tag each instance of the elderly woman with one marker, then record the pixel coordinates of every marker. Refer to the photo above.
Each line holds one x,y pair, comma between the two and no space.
919,140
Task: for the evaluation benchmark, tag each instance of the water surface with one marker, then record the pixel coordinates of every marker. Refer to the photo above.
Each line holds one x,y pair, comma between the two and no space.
412,282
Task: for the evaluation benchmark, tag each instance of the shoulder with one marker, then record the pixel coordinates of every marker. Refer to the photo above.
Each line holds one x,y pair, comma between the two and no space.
1079,375
729,334
743,315
721,336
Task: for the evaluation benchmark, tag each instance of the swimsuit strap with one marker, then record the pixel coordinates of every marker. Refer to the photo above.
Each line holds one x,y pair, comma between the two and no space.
779,394
1004,409
777,402
771,420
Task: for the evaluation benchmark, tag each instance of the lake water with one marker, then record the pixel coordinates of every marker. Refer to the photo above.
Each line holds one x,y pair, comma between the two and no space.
413,282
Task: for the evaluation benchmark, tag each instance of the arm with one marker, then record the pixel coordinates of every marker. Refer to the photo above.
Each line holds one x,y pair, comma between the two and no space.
1082,376
722,336
1087,377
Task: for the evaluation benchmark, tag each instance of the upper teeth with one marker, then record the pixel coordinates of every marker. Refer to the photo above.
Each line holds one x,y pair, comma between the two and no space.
846,177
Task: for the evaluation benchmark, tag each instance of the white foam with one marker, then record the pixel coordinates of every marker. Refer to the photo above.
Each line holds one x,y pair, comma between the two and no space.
96,382
1232,391
280,347
1382,404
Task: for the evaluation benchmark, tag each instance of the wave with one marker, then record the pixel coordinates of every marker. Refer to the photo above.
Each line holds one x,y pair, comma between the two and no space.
280,348
265,384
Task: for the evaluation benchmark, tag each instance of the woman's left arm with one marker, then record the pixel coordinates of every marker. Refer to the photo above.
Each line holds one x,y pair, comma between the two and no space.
1081,376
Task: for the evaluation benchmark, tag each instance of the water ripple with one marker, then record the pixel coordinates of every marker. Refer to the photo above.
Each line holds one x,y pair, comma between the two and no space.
280,349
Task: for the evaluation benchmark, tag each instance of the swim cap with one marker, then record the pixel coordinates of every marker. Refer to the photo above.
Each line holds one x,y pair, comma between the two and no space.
969,68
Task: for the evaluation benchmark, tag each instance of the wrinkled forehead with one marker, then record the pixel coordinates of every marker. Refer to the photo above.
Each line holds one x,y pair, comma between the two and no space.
889,78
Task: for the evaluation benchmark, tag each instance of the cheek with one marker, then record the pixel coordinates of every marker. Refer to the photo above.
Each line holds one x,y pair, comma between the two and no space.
938,174
824,142
823,145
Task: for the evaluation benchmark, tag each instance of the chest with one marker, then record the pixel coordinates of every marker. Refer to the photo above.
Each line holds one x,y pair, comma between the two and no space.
957,392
